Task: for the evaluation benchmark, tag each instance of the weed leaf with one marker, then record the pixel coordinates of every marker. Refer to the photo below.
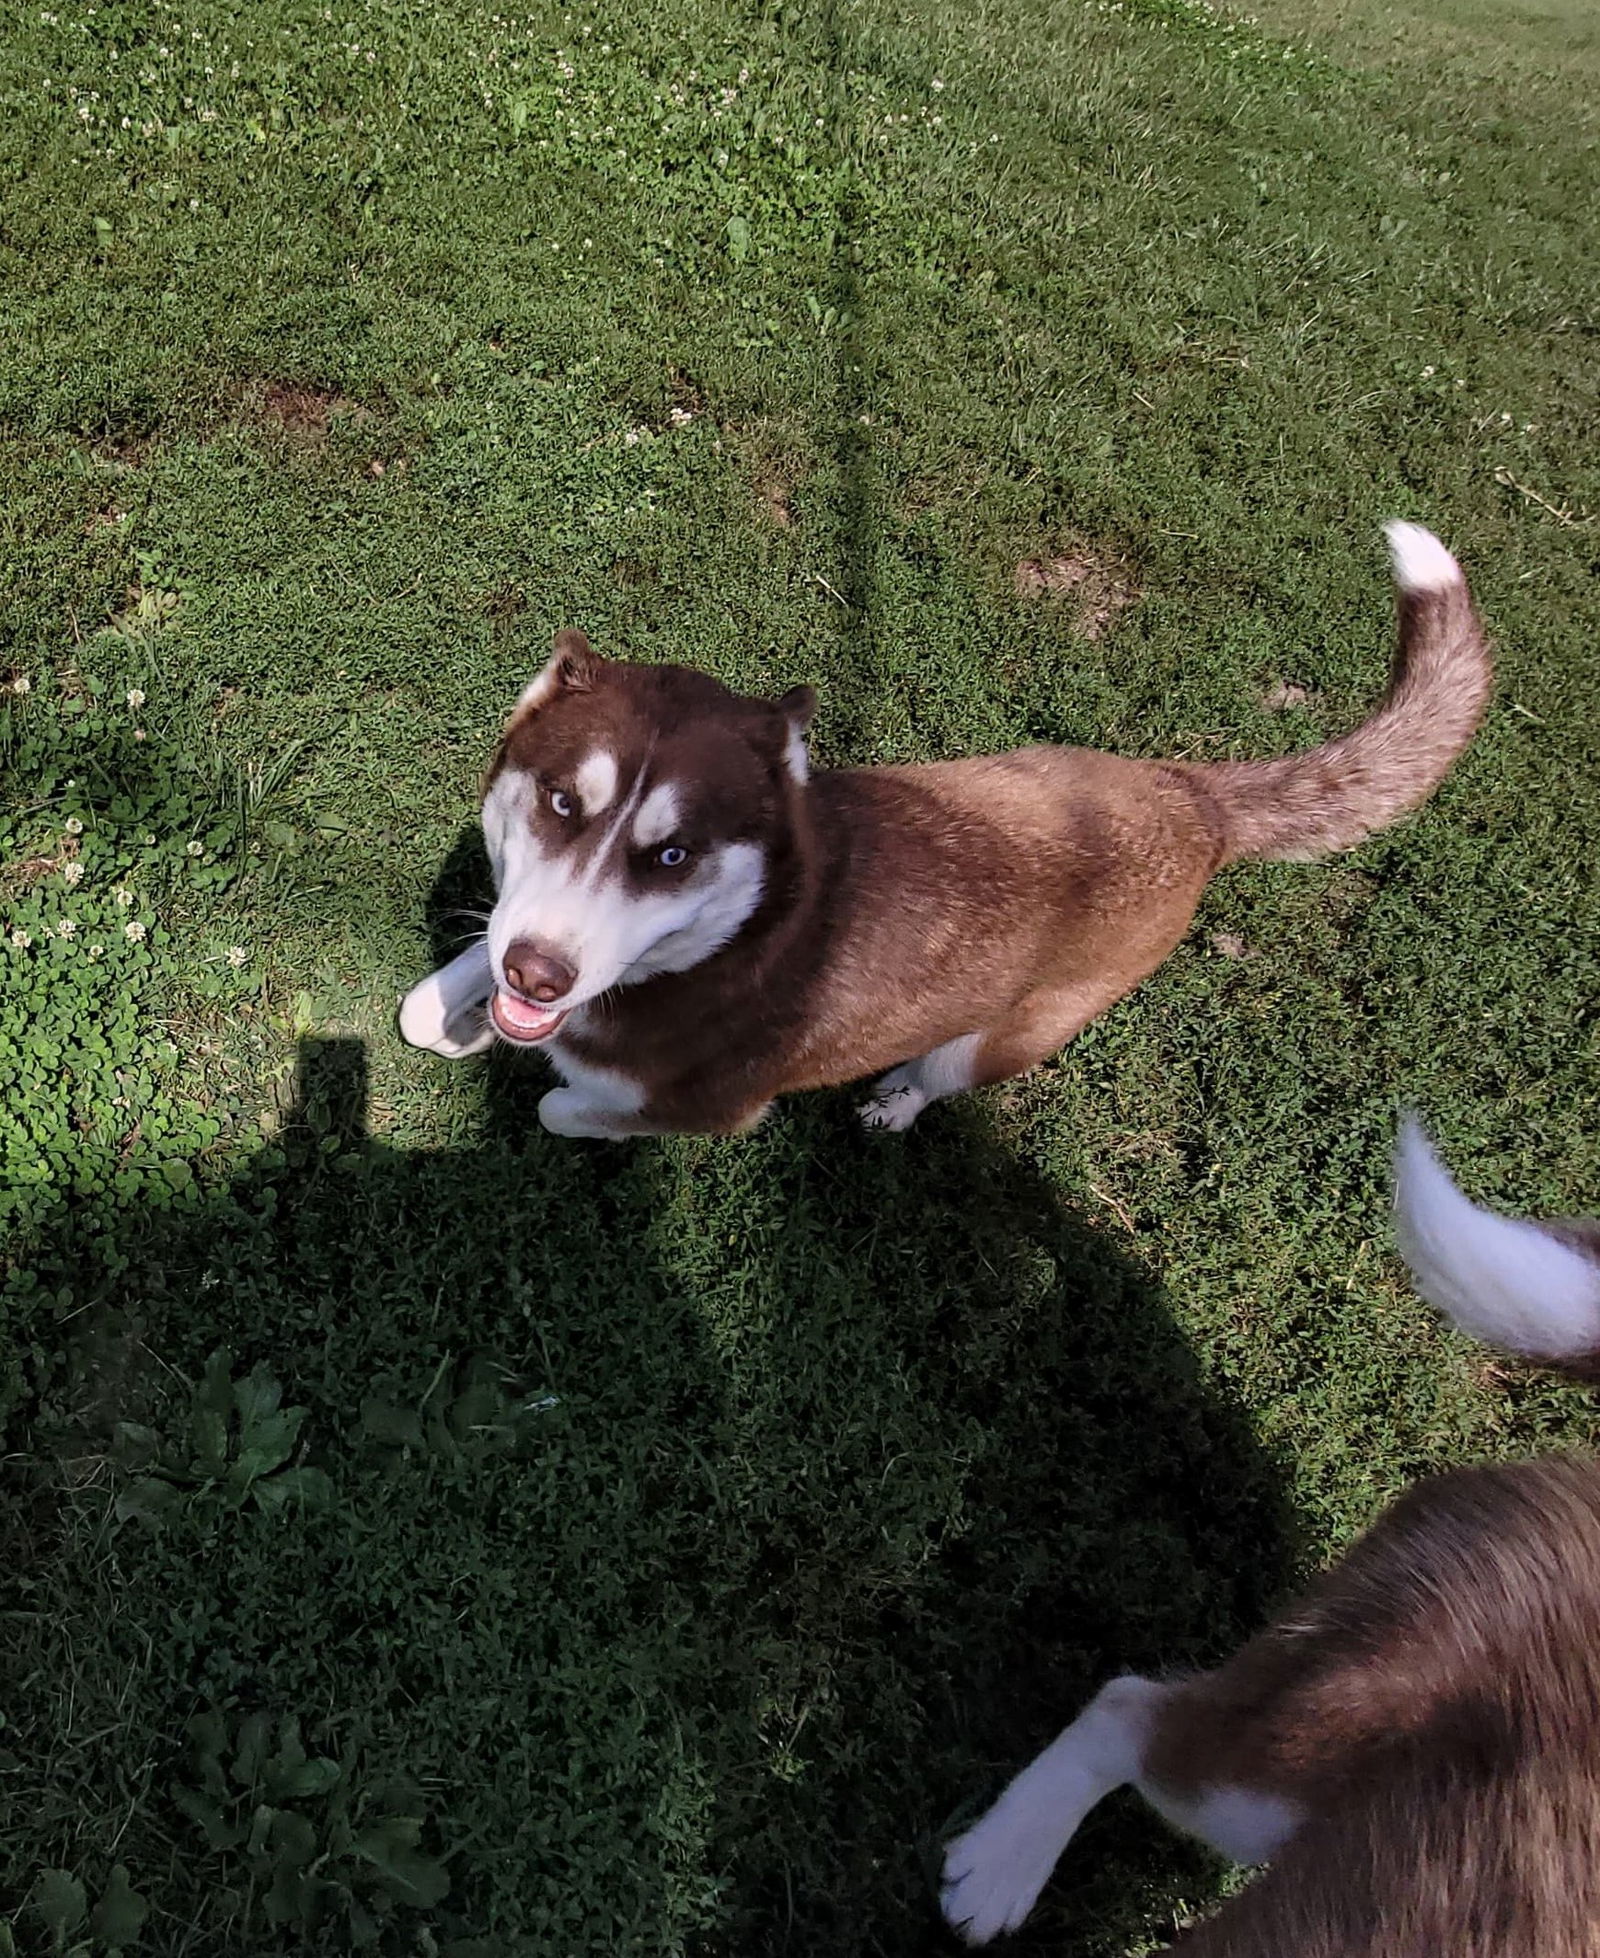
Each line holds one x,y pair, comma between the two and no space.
59,1900
391,1847
218,1833
120,1912
266,1447
292,1838
307,1779
251,1753
134,1447
256,1397
208,1437
151,1501
215,1392
308,1486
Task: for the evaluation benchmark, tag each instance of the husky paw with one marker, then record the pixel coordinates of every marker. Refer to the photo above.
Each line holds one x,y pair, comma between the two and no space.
897,1103
994,1873
428,1021
563,1111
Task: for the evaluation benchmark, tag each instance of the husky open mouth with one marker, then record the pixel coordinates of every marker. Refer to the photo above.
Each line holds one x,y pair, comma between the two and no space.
519,1021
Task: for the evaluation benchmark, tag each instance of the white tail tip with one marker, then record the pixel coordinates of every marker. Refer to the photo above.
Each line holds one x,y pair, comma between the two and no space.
1421,562
1505,1281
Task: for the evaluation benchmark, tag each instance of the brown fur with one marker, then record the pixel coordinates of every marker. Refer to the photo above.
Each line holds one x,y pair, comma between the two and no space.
1432,1704
915,905
1006,900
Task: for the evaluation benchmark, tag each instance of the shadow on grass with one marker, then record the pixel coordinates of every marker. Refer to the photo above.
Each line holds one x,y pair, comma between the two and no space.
713,1526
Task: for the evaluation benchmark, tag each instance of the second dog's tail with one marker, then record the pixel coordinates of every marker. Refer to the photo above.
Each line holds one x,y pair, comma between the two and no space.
1304,806
1531,1288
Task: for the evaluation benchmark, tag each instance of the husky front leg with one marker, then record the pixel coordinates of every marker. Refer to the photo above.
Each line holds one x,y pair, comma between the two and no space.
605,1104
446,1013
993,1874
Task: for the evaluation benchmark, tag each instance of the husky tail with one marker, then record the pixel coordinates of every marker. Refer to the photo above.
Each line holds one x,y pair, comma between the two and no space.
1531,1288
1305,806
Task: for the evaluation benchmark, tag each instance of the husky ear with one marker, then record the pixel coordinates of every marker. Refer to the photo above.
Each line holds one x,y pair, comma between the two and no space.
571,668
794,710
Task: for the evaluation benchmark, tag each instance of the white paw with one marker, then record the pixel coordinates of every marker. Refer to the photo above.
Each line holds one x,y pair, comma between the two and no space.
994,1873
446,1012
565,1112
426,1020
897,1103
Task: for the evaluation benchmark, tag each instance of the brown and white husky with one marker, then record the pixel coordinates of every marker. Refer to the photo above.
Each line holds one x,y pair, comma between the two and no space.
1413,1749
690,922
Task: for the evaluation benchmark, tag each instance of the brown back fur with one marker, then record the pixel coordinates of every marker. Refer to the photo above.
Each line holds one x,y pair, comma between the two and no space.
1433,1704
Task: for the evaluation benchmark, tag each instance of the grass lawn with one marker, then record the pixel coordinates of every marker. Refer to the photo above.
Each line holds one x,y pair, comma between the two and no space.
424,1536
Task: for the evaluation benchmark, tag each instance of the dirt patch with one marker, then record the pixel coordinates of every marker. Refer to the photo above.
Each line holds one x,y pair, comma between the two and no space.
1229,945
123,453
1098,588
303,411
505,603
686,399
28,870
773,495
1283,695
774,462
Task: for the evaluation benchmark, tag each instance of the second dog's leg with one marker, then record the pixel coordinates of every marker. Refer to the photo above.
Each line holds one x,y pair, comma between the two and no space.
445,1012
993,1874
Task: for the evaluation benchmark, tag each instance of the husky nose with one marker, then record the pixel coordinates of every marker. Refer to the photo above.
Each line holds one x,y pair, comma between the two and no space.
535,974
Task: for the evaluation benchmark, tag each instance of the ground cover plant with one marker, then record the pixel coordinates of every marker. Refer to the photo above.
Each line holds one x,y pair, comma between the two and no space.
421,1536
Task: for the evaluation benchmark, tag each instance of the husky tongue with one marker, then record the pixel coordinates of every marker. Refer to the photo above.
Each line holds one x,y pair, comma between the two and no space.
517,1020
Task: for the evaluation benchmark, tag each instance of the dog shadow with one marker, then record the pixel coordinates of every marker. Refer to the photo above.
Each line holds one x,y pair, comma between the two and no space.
716,1525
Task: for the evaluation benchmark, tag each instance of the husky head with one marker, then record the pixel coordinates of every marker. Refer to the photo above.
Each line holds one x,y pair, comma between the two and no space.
632,815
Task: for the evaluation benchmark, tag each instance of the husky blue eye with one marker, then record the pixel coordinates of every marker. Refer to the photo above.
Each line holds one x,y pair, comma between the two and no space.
672,856
560,803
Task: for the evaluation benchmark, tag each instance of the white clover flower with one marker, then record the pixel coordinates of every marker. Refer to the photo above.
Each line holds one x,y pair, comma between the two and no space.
21,939
134,931
194,849
22,684
134,696
72,872
95,952
73,826
237,955
1429,372
67,928
123,896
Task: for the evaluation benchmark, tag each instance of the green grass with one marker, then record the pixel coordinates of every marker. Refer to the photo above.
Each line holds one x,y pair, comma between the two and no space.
654,1550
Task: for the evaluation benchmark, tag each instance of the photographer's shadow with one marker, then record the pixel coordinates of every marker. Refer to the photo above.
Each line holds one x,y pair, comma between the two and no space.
715,1525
